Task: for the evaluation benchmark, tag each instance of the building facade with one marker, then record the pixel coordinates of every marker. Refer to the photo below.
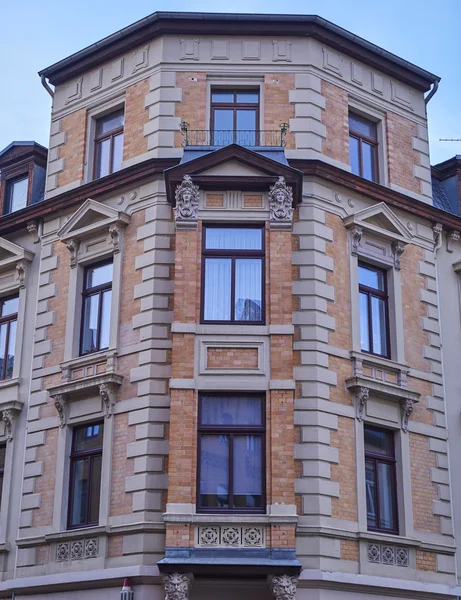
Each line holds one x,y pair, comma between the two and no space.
220,352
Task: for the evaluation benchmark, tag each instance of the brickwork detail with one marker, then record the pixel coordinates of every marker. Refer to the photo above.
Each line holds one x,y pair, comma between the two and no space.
73,151
335,117
401,155
252,200
232,358
426,561
349,550
277,106
214,200
136,116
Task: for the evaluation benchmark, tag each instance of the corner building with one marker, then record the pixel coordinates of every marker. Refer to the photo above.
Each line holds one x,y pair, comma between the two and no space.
220,360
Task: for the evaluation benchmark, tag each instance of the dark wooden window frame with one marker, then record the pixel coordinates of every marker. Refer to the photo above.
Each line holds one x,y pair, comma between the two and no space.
388,460
231,431
382,295
233,254
86,292
372,141
9,190
234,106
74,457
106,136
8,320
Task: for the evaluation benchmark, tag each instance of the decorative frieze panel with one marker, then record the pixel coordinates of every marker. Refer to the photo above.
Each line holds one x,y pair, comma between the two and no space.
77,550
388,555
232,536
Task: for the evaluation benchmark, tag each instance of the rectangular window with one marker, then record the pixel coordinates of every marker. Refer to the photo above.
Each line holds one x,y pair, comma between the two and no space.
16,194
8,324
2,469
97,298
85,475
234,117
380,480
109,144
363,147
233,275
374,311
231,453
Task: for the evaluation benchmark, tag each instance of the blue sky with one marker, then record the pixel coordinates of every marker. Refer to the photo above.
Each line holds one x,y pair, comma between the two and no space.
37,34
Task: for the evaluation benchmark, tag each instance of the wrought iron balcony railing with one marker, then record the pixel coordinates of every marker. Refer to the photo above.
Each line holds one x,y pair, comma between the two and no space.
243,137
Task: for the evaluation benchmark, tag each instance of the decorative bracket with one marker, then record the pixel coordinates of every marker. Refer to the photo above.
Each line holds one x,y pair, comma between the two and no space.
397,251
73,245
9,416
32,228
356,236
177,585
107,393
115,231
283,587
362,394
452,238
187,197
408,406
21,269
60,406
437,229
281,202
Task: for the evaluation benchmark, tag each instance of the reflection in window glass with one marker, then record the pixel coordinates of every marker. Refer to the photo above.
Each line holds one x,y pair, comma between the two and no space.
373,304
109,144
8,323
16,195
97,295
363,147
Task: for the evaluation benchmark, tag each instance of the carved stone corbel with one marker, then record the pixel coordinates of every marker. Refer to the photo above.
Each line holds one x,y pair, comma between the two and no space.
73,246
60,406
281,202
107,393
408,406
283,587
356,236
177,585
452,238
115,231
361,397
9,416
32,228
21,269
397,251
187,197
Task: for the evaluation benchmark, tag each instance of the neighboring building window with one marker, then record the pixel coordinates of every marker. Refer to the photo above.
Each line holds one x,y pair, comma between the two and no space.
231,453
363,147
380,480
85,475
97,299
16,194
234,117
109,144
8,324
374,312
2,469
233,266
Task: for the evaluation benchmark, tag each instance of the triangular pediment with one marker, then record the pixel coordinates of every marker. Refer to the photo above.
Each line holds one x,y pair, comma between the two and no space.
233,168
92,216
382,221
11,254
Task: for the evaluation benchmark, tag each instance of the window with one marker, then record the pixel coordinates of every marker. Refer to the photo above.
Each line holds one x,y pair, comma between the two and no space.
85,475
2,469
109,144
363,147
231,453
233,267
380,480
234,117
16,194
8,324
97,298
374,313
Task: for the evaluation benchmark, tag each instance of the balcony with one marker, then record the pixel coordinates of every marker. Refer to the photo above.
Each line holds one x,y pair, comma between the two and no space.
248,138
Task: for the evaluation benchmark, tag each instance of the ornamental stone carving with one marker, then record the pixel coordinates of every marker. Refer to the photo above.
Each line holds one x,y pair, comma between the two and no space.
362,397
107,393
356,236
452,238
60,406
21,269
187,197
8,416
177,585
397,251
73,246
283,587
281,201
115,231
408,406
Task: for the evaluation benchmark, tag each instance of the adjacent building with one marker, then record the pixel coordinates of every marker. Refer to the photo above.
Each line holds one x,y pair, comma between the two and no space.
221,367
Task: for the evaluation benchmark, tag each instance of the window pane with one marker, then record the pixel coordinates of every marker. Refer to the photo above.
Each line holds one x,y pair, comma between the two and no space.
2,457
214,471
3,330
368,162
11,345
378,318
117,156
231,410
222,96
223,130
248,292
18,194
96,464
103,158
110,122
105,320
246,127
98,275
90,324
370,484
9,307
247,471
379,442
364,323
386,505
362,126
88,437
80,491
372,278
247,96
217,289
233,238
354,154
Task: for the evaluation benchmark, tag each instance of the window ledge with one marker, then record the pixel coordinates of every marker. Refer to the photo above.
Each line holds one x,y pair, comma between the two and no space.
97,363
395,539
380,368
227,519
